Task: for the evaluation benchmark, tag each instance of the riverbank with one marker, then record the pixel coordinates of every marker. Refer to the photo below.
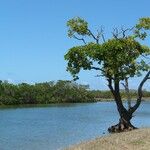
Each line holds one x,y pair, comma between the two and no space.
124,99
133,140
64,103
62,91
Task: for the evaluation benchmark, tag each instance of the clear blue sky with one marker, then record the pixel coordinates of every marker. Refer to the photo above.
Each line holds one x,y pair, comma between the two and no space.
33,35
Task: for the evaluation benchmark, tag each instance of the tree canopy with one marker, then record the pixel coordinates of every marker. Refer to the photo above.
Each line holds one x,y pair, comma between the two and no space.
118,58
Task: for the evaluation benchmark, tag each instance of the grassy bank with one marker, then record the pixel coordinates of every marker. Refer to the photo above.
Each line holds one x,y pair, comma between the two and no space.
133,140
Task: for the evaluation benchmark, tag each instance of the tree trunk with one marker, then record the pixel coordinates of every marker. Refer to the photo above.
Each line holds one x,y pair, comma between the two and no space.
124,123
125,115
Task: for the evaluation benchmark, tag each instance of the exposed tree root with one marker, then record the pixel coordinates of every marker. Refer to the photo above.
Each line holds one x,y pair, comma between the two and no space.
121,127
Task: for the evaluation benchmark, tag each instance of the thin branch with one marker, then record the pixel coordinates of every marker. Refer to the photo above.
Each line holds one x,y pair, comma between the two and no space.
81,39
99,75
101,34
146,57
98,34
103,38
96,68
126,86
121,33
94,37
115,33
124,32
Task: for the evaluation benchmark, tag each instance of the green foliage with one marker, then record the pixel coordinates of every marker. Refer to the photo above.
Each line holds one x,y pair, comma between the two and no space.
141,31
107,95
141,27
79,57
102,95
77,25
144,23
119,57
115,58
43,93
51,92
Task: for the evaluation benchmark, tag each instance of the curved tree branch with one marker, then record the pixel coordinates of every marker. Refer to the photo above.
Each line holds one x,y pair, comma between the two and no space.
80,39
94,37
139,99
123,31
96,68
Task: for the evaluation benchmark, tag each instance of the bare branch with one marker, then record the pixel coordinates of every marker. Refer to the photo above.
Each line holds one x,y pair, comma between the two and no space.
121,33
99,75
98,34
146,57
101,34
81,39
124,32
94,37
103,38
115,33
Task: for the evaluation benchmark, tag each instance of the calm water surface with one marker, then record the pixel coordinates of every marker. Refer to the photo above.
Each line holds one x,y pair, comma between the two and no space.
58,126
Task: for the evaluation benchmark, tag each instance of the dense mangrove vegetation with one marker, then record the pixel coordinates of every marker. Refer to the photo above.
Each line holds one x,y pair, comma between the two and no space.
105,95
43,93
53,92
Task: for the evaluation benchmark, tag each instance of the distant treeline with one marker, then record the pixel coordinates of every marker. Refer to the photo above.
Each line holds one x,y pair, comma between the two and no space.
52,92
98,95
43,93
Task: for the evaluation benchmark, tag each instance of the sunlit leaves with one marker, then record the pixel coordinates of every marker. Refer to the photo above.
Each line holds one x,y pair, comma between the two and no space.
78,58
120,55
144,23
77,25
115,58
141,27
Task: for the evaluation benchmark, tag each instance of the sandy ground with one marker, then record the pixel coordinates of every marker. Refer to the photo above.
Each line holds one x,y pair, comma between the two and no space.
133,140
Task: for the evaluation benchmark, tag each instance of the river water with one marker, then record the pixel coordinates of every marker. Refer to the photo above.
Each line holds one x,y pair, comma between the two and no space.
58,126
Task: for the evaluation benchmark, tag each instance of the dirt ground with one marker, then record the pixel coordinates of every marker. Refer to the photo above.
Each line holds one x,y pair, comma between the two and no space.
138,139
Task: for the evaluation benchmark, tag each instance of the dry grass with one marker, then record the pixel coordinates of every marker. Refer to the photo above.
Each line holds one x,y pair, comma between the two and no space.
133,140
